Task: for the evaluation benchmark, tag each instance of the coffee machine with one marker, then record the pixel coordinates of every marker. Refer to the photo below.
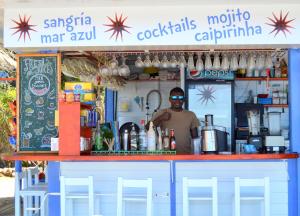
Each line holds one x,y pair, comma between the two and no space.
255,138
274,142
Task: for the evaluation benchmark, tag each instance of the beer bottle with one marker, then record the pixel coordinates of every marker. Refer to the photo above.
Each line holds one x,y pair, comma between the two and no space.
166,140
172,140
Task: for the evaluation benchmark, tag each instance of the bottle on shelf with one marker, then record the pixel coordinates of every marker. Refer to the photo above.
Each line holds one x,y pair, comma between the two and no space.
172,140
159,139
143,137
151,138
134,145
166,140
125,139
98,140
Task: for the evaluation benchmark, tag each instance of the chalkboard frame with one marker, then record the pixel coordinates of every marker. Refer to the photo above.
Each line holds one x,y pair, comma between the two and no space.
58,78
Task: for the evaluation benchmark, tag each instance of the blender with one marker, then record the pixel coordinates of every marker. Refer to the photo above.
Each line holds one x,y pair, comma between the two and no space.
254,137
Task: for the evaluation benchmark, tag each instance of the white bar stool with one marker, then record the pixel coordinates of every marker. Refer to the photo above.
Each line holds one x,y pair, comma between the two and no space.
261,182
34,189
20,184
134,183
200,183
64,195
33,180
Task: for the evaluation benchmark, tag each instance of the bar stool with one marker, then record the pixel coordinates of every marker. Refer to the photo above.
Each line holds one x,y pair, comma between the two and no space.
75,182
20,184
261,182
33,189
134,183
200,183
33,181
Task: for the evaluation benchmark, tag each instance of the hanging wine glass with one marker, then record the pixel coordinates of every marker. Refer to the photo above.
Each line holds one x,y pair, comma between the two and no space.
156,62
208,63
269,64
190,63
114,62
147,61
233,63
225,62
182,63
250,65
165,62
173,62
242,65
139,63
216,64
199,63
105,70
260,65
124,69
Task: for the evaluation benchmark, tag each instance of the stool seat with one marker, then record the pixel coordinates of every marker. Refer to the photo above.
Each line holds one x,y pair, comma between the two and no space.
76,182
255,182
252,198
134,183
200,198
188,183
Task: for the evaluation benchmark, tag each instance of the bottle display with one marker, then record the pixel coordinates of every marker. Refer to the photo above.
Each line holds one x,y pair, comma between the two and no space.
151,138
172,140
133,139
166,140
159,139
125,139
98,138
143,144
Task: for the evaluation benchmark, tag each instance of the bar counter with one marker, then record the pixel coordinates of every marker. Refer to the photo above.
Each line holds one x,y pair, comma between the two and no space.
178,157
167,173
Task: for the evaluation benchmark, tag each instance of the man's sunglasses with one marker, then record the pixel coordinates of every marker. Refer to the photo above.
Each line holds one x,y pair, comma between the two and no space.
177,97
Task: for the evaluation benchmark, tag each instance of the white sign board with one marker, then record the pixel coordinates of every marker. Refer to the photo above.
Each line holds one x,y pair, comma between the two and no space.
142,26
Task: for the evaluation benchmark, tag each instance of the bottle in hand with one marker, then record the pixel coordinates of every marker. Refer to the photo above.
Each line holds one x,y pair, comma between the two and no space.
172,140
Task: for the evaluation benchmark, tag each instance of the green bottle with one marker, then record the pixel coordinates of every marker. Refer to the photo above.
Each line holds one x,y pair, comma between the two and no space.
98,138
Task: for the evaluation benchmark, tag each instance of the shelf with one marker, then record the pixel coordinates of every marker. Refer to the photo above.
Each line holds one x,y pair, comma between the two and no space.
154,80
137,158
8,79
276,105
260,79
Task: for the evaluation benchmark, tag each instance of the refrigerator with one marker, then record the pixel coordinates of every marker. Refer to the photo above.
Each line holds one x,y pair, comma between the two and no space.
213,97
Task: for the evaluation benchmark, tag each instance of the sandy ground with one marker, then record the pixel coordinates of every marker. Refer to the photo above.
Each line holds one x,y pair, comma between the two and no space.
7,187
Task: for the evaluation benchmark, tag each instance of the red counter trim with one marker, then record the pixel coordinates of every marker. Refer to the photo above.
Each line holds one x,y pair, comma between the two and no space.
55,157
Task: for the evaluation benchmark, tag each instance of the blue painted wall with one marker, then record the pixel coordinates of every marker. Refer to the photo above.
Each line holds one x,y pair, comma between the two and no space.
53,186
294,118
109,106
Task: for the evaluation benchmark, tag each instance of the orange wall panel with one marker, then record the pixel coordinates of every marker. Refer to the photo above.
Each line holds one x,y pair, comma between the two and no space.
69,128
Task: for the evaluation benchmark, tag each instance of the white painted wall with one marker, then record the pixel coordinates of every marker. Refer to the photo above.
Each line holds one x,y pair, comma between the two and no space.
141,88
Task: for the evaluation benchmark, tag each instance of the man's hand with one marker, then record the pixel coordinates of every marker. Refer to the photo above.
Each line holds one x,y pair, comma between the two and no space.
161,118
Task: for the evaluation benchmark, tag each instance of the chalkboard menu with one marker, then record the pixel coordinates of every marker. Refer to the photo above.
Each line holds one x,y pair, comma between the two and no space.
38,81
